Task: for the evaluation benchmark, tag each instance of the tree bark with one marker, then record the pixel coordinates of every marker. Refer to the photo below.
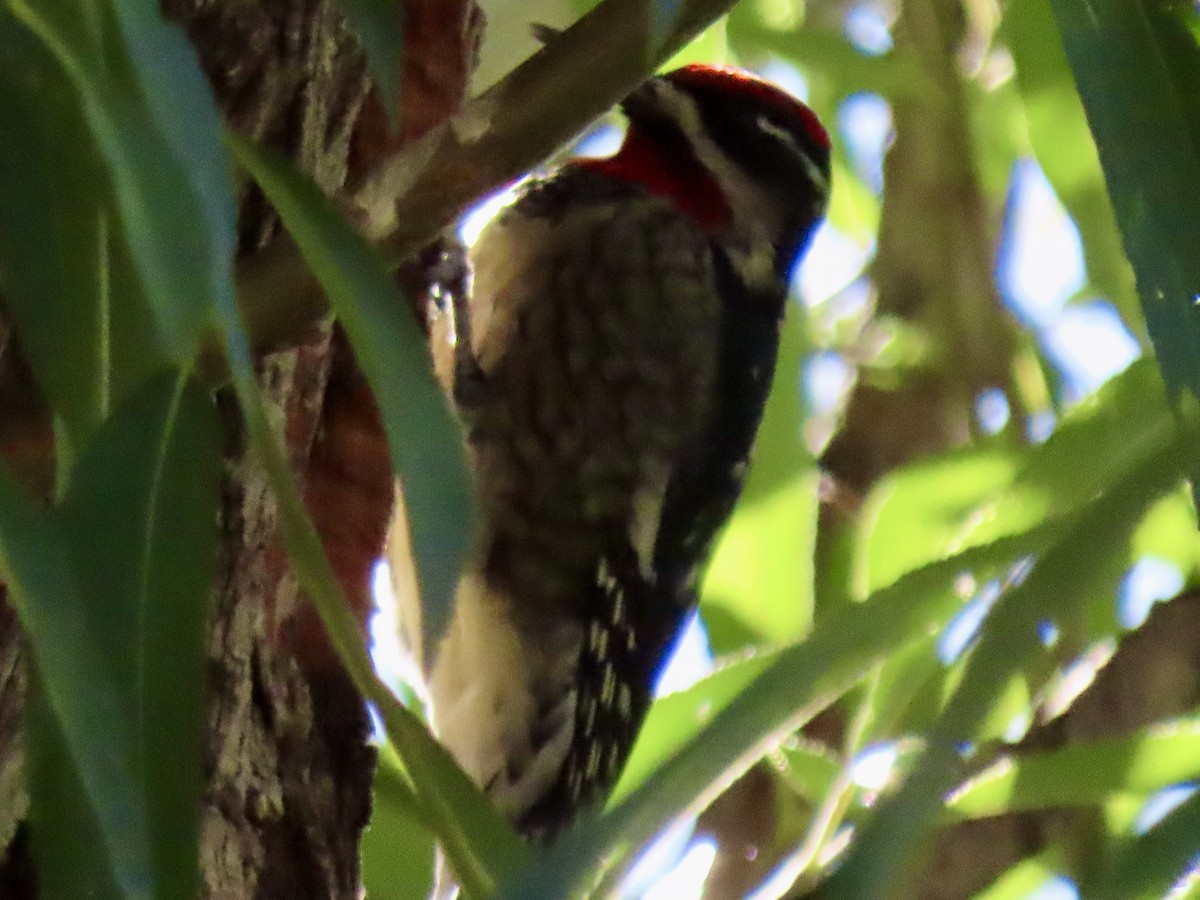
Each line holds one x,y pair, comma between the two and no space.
288,764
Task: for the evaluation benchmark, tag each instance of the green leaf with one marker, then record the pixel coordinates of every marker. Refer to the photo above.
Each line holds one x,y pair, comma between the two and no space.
1169,533
854,207
140,520
709,46
111,595
155,125
923,511
1058,130
1137,69
888,848
677,718
811,769
378,25
478,841
71,845
53,231
910,691
84,704
1084,774
826,49
397,849
797,683
1023,879
936,506
425,441
1145,867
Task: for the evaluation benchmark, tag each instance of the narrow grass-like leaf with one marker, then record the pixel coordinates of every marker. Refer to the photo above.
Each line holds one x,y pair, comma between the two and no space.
910,690
140,520
176,211
379,26
675,719
53,226
397,849
923,511
179,102
810,768
937,506
425,442
1145,867
478,841
1137,69
1058,130
70,846
1083,774
889,846
84,704
798,683
1023,879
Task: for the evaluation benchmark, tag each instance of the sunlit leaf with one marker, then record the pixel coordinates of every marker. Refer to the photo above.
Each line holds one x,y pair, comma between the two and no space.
924,511
1137,69
675,719
799,682
809,768
1083,774
1146,866
936,506
397,849
1023,879
1058,130
888,848
709,46
1169,533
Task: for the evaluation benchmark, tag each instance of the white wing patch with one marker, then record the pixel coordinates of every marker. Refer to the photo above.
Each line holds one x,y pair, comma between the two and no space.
647,515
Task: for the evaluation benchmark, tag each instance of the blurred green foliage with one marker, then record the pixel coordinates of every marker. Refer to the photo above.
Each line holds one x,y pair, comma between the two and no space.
829,596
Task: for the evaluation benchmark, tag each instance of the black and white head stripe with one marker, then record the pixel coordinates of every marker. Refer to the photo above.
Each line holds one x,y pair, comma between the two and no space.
766,149
735,96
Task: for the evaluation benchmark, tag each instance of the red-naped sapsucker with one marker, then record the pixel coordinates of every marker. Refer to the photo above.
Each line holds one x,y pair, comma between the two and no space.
611,368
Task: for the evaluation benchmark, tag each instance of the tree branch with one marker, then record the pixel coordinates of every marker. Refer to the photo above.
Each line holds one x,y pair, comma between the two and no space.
410,197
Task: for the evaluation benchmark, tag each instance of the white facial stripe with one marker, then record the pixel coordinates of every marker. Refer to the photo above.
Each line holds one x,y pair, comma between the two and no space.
750,207
789,140
780,134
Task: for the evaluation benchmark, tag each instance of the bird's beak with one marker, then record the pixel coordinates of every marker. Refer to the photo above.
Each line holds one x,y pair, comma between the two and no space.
644,102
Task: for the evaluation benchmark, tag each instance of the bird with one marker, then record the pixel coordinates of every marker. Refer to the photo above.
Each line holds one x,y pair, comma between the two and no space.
610,364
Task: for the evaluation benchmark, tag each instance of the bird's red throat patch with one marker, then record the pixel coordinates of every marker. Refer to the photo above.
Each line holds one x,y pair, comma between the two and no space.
686,183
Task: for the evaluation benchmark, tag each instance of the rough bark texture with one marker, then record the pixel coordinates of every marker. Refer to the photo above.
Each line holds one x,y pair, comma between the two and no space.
289,769
286,798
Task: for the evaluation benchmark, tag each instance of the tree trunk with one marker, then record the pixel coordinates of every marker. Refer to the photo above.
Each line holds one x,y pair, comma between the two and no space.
289,766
